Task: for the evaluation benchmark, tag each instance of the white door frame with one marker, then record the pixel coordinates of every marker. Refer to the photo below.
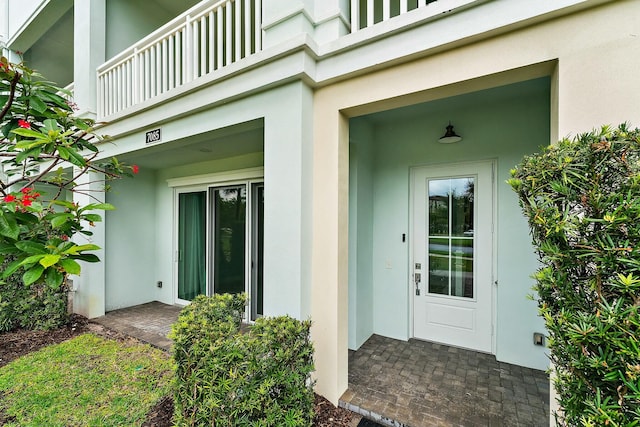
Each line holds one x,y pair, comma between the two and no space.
494,239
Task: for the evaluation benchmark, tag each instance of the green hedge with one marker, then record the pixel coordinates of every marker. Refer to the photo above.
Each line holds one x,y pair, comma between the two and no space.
225,377
36,306
582,199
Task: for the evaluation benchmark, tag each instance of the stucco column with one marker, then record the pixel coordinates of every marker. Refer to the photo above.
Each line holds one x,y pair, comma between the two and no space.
285,19
329,292
287,210
89,286
332,19
89,33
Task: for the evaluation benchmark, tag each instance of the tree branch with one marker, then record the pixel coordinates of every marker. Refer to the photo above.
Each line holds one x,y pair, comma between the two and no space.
12,93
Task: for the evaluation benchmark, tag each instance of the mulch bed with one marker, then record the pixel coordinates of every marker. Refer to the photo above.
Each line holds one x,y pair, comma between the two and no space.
18,343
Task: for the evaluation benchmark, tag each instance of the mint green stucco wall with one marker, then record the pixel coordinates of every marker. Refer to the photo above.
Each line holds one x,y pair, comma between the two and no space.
131,20
148,203
502,124
361,234
131,235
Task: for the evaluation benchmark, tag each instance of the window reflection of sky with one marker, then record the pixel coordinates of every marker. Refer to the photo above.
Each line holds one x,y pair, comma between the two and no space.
444,187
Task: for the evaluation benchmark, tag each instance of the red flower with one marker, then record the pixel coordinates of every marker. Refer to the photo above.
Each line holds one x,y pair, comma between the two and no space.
9,198
26,202
26,190
64,237
135,169
24,124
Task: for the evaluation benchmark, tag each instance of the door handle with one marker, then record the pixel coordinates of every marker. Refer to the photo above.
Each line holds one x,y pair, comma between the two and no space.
417,277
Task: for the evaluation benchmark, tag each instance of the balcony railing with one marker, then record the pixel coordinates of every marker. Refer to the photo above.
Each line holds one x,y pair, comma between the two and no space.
367,13
204,39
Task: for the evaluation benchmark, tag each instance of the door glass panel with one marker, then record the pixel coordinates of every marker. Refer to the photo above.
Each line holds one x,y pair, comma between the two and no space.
462,206
439,207
192,236
451,239
258,251
229,239
439,266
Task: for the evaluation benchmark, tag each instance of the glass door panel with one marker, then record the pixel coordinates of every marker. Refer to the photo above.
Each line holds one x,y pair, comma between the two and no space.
229,239
450,236
192,237
257,287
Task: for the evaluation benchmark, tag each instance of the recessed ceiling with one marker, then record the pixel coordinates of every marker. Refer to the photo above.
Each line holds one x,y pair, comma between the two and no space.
229,142
477,99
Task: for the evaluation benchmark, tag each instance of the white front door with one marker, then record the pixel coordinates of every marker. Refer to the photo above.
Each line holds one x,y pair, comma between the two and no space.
453,254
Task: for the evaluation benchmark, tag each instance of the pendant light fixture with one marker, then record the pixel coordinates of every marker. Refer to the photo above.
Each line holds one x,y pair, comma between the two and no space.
450,136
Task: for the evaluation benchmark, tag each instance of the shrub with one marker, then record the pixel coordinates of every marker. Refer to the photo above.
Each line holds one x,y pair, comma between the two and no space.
228,378
582,200
37,306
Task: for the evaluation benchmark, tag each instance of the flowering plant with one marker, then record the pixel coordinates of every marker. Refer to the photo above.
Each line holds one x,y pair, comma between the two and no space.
44,149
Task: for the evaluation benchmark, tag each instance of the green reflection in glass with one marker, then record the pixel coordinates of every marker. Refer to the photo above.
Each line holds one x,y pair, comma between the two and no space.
229,241
462,206
439,207
438,275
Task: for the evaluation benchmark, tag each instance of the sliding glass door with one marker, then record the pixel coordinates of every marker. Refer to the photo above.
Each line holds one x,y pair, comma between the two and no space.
220,242
192,244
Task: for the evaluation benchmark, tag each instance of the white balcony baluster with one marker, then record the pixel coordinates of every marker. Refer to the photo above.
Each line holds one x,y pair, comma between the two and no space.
237,39
355,15
228,46
372,12
209,36
220,41
386,9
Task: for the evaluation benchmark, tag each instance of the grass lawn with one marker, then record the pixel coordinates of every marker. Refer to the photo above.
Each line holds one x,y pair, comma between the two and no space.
88,380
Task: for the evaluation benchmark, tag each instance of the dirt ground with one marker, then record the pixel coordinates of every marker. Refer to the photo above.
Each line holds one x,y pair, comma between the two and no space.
19,343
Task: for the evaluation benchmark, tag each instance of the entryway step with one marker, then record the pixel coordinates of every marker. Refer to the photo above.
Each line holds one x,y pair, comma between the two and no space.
371,419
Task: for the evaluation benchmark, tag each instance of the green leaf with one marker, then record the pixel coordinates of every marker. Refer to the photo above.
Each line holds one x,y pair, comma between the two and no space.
63,203
32,153
92,217
8,248
54,278
11,268
70,266
86,257
56,99
64,152
30,247
51,125
49,260
37,104
76,158
60,219
8,226
28,133
75,249
95,206
33,274
32,259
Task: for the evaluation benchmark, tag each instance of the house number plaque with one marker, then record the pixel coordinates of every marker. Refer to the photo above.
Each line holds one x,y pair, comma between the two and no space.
153,136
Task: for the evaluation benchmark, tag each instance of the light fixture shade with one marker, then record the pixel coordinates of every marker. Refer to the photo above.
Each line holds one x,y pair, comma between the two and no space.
450,136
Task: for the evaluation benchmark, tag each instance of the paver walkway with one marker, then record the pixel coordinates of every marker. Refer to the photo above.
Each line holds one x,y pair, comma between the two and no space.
399,383
419,383
150,322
